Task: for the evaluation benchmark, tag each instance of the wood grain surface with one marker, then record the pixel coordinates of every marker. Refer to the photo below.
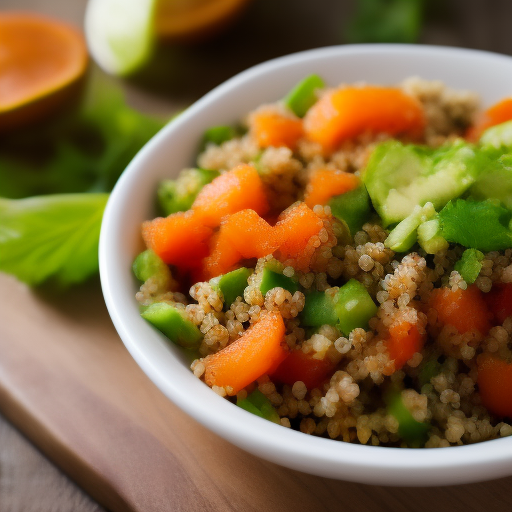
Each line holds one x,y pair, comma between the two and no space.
70,387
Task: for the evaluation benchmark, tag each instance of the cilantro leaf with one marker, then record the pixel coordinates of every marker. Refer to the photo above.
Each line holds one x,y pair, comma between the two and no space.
51,236
482,225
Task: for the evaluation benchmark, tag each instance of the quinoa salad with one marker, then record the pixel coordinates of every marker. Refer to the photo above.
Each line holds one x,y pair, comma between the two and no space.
340,263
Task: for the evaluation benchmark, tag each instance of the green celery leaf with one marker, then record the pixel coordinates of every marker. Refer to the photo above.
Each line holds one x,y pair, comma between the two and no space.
51,236
385,21
482,225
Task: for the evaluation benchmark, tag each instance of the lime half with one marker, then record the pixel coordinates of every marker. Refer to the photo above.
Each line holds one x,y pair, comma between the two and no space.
120,33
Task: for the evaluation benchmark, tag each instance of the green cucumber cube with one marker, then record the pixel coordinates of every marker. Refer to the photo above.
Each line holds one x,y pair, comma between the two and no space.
304,95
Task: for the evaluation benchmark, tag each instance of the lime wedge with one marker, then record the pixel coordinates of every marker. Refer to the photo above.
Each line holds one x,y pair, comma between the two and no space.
120,33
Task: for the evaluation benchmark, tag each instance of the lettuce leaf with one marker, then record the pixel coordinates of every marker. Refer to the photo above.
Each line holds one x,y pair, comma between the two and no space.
51,236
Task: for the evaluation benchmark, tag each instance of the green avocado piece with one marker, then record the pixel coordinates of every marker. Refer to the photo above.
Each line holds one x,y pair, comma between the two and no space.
271,279
304,95
404,235
399,177
353,208
179,194
167,319
232,284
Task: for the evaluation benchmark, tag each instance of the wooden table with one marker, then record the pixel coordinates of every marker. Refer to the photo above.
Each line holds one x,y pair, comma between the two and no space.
68,384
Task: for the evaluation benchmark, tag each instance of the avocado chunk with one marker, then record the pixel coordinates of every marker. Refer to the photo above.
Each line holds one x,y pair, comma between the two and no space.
168,320
179,194
404,235
304,95
353,208
399,177
231,285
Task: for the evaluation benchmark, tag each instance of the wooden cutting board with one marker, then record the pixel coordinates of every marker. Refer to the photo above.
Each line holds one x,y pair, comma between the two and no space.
67,382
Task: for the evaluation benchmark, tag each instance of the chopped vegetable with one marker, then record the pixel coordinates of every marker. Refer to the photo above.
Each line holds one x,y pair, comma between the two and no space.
404,235
352,208
180,239
167,319
274,129
148,265
299,366
319,309
271,279
257,403
490,233
350,111
326,183
179,194
222,258
428,370
405,339
409,429
303,95
258,351
430,238
51,236
236,190
495,384
499,301
469,265
495,182
463,309
219,134
496,114
232,284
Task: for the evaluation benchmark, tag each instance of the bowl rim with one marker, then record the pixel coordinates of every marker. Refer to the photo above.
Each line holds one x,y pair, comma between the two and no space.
320,456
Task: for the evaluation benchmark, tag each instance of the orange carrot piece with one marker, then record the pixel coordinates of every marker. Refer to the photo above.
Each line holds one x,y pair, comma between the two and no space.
350,111
499,113
499,301
463,309
326,183
405,339
495,384
229,193
304,367
180,239
274,129
223,257
259,350
296,226
249,234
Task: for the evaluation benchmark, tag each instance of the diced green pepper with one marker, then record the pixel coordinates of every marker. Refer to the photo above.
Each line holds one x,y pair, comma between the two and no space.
232,284
319,310
257,403
271,279
351,307
430,237
167,319
147,264
413,432
354,307
469,265
219,134
179,194
428,370
483,225
404,235
303,95
353,208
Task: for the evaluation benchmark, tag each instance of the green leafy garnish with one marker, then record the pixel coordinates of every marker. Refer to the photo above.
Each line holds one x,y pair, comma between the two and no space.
51,236
385,21
469,265
482,225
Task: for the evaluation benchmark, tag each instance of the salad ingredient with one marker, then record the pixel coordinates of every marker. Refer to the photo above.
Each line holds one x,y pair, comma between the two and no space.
303,96
271,128
405,340
258,351
413,431
148,265
232,284
353,208
495,384
271,279
350,111
494,115
469,265
325,183
499,301
257,403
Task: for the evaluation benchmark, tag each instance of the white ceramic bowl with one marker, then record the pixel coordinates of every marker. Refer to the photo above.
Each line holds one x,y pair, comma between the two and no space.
174,148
